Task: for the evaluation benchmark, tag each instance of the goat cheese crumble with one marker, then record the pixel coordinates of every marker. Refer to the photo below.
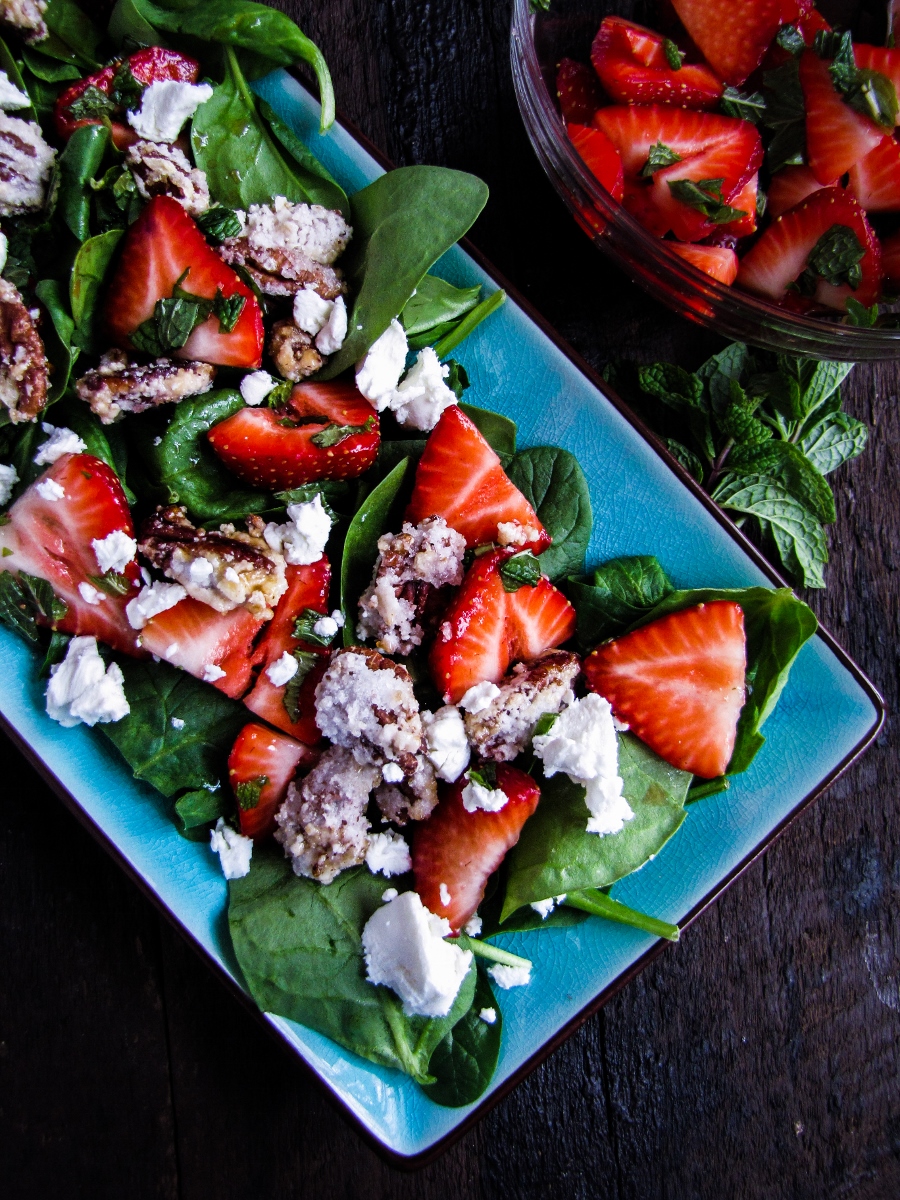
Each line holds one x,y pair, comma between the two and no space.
303,537
89,594
476,795
60,441
165,106
473,925
545,907
405,950
444,893
115,551
49,489
510,977
447,747
422,396
234,850
282,670
331,336
488,1015
479,696
212,672
83,690
151,600
388,854
9,477
255,387
379,372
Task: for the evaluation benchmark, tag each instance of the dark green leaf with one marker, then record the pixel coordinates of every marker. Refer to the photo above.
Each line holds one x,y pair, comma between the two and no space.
304,628
786,114
248,792
434,309
112,583
720,372
24,599
552,481
686,457
14,75
196,809
673,385
760,496
824,380
57,649
864,90
190,470
457,379
48,70
464,1061
859,315
402,224
89,272
520,570
498,431
126,91
747,107
674,56
791,39
290,698
299,947
333,435
620,593
219,223
369,522
128,27
469,323
706,197
228,309
659,156
76,31
90,104
835,44
836,255
57,335
788,466
319,186
834,441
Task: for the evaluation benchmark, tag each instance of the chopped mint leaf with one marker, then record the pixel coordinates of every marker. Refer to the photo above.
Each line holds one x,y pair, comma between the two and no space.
290,699
228,309
303,628
545,724
25,599
858,314
112,583
249,791
836,257
519,571
484,776
658,157
674,56
791,39
126,91
219,223
706,197
333,435
735,103
91,105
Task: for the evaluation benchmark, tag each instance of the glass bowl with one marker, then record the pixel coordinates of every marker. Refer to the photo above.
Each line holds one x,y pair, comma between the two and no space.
538,41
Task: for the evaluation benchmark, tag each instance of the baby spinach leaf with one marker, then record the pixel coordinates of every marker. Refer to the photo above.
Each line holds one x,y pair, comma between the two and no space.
299,946
552,481
50,70
369,522
196,810
14,75
618,595
190,470
92,263
402,224
555,854
77,33
467,324
78,165
317,183
464,1061
128,27
172,760
776,625
434,309
57,335
498,431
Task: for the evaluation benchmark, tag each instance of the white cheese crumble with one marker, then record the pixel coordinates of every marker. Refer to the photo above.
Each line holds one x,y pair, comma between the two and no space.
282,670
310,310
60,441
488,1015
389,894
320,233
510,977
388,854
331,336
234,850
10,95
392,772
211,673
325,627
177,723
444,892
151,600
475,795
82,689
9,477
447,748
422,396
49,489
165,106
303,537
545,907
583,744
114,552
202,572
473,925
405,950
89,594
255,387
479,697
514,533
378,374
4,250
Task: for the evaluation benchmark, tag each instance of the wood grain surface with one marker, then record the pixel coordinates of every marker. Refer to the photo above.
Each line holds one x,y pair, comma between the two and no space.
758,1058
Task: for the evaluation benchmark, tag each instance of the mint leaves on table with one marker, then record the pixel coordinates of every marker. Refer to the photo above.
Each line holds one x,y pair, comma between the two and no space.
760,433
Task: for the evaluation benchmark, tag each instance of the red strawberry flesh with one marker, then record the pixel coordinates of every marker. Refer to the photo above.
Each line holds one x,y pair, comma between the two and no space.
633,67
734,39
260,766
196,638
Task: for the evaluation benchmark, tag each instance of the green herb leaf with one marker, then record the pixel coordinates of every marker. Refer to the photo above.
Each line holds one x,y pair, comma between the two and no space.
786,114
544,725
369,522
791,39
836,45
290,698
126,92
333,435
248,792
659,156
73,33
457,378
618,595
304,628
24,600
219,223
686,457
673,385
92,264
789,466
111,582
747,107
859,315
706,197
228,309
195,810
57,334
92,104
760,496
836,256
484,776
834,441
464,1061
498,431
519,571
552,481
674,56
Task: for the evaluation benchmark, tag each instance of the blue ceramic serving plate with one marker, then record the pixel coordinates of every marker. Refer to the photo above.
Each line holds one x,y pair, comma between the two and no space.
642,505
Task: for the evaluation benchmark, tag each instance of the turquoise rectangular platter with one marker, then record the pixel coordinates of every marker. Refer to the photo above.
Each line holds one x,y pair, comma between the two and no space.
826,716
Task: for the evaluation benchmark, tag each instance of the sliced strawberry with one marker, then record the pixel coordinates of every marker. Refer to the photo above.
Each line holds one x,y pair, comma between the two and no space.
884,59
457,851
679,684
195,637
600,157
710,148
746,201
633,67
578,91
716,261
486,628
837,136
162,247
51,539
308,587
279,450
151,65
890,258
733,40
788,187
461,479
807,20
875,180
780,256
260,766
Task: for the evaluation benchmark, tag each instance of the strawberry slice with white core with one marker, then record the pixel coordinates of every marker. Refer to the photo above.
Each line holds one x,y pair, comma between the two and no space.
875,181
164,247
734,38
261,765
789,187
837,136
50,533
460,478
454,852
716,261
215,647
679,684
634,68
780,256
308,588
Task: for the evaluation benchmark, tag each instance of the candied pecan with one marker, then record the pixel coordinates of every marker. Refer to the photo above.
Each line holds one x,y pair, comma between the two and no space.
118,386
529,692
414,798
280,272
163,170
23,364
26,164
293,351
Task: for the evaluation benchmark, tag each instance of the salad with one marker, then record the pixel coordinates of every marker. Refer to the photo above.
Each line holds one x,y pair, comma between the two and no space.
757,140
330,611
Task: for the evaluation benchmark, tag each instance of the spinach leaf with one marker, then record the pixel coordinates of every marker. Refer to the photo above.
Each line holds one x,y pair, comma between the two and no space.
464,1061
498,431
369,522
77,33
299,946
174,760
434,309
78,164
57,335
402,224
552,481
555,854
197,810
317,183
128,27
247,26
618,595
92,263
190,470
24,599
467,324
13,74
49,70
776,625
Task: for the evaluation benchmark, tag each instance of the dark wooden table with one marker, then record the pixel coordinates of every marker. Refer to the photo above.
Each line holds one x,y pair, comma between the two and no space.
757,1058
